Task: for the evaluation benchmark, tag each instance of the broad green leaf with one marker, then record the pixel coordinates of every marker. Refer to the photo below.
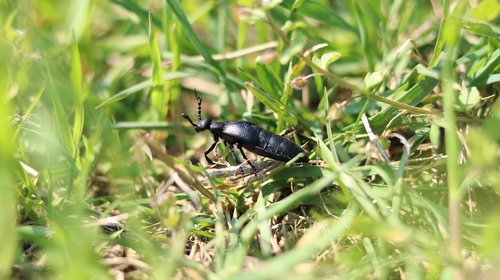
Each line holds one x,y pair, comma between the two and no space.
269,4
297,4
297,44
325,153
482,29
435,136
487,10
373,79
493,79
427,72
467,99
326,59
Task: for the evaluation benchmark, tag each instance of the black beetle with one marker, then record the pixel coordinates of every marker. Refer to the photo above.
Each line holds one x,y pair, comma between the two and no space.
249,136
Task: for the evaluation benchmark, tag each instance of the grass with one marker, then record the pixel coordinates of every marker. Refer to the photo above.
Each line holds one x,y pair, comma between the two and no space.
395,103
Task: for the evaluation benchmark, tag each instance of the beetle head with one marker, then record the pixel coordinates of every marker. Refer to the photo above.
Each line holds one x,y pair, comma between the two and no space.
203,125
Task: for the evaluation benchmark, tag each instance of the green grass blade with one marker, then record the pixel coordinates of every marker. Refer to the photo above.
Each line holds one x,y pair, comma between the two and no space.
8,213
318,237
142,86
116,193
159,97
194,39
271,102
76,79
318,11
78,17
364,38
136,9
454,171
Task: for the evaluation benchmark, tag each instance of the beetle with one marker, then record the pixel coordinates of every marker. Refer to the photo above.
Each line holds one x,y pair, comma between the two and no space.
243,134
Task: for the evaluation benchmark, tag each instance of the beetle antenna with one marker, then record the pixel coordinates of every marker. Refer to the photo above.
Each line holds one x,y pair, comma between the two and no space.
199,104
189,119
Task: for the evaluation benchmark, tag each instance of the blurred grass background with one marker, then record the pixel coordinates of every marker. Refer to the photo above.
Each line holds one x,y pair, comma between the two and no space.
395,102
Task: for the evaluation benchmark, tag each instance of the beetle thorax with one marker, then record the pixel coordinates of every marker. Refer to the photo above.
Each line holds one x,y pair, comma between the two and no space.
216,128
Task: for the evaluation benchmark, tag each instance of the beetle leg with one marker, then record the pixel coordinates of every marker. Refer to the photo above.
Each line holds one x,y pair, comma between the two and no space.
216,154
234,155
216,139
236,159
247,160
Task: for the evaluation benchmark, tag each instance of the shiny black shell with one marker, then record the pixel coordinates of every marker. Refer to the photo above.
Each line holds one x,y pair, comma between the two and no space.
260,141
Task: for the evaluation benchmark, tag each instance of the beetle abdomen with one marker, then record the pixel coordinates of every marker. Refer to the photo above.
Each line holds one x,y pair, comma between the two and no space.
276,147
261,141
